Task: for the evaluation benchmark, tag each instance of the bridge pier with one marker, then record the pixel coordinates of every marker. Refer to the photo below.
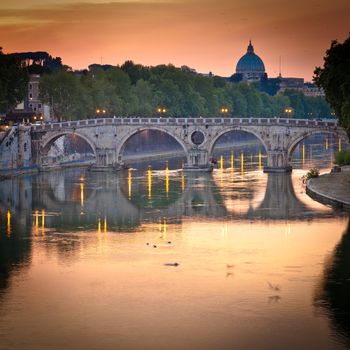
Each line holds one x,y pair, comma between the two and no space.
198,161
277,162
105,160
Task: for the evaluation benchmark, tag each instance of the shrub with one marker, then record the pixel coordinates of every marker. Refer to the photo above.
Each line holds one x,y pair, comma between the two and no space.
347,157
312,173
343,157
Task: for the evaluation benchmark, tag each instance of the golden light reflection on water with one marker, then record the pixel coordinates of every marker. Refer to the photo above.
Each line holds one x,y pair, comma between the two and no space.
129,183
166,179
99,225
36,218
39,225
82,195
260,162
149,181
303,154
8,222
43,218
242,163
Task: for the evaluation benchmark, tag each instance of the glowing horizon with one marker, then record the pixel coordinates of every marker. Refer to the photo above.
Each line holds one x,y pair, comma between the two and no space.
205,35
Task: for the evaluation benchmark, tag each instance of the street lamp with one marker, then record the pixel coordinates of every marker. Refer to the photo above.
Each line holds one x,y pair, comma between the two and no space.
288,111
223,110
161,111
100,111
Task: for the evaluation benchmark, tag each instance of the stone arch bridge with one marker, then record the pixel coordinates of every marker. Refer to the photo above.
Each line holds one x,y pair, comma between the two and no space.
197,136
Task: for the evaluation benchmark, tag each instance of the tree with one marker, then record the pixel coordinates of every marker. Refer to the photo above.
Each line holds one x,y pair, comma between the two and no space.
334,78
13,81
65,93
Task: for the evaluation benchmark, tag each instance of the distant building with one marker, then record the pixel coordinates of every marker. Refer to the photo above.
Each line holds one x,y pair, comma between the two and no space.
34,102
291,84
31,108
312,90
250,67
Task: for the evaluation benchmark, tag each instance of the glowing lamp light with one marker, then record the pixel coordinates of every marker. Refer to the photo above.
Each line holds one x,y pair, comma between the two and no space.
161,110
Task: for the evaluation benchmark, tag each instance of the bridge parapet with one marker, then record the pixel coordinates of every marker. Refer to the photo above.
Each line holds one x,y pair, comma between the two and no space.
184,122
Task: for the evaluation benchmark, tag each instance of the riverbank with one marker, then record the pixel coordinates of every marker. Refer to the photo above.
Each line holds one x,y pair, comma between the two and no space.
332,188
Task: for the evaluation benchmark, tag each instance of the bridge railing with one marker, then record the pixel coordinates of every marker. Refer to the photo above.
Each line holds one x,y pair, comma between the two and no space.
183,122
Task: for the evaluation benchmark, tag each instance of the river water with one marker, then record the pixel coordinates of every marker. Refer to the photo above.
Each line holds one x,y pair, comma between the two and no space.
154,259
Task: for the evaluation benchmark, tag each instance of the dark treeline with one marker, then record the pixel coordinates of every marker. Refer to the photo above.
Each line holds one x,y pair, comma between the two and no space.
136,90
13,81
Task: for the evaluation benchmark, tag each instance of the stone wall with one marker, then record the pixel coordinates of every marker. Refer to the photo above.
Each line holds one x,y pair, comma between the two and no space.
15,149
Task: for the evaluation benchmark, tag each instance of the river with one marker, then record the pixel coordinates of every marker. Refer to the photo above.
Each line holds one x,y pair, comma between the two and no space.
155,259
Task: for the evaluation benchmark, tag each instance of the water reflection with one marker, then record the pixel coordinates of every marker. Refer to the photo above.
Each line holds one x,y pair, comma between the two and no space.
72,201
15,223
201,257
332,293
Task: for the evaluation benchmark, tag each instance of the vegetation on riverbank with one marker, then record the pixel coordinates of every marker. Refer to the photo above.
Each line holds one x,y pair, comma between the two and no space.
133,89
334,78
343,157
311,174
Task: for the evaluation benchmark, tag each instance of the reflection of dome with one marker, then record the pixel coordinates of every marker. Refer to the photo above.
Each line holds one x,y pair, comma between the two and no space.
250,66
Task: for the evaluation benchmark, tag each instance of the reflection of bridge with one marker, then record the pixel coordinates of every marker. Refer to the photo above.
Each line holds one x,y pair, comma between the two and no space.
280,201
197,136
71,203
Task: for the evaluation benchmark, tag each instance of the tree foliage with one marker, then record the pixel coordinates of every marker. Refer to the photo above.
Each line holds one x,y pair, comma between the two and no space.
13,81
136,90
334,78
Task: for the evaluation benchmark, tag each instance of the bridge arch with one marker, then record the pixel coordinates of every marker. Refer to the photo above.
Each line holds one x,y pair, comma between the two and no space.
48,142
232,129
294,142
121,145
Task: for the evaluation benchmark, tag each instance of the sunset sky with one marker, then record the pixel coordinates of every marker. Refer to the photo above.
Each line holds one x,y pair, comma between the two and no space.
208,35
